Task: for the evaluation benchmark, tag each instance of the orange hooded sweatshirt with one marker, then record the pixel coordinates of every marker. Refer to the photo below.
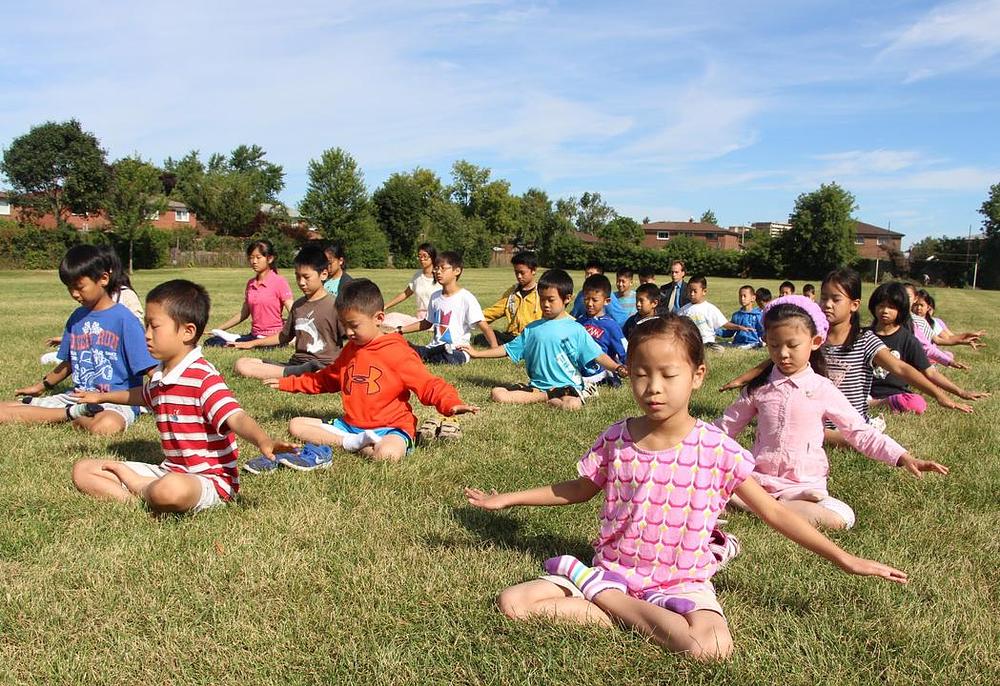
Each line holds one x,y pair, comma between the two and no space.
375,381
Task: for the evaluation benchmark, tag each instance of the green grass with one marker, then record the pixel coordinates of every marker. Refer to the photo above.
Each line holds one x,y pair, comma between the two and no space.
376,573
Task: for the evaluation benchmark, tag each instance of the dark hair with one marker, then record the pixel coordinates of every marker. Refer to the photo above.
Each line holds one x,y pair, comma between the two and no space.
312,256
624,271
681,329
337,250
119,277
776,316
747,287
526,258
929,299
895,294
429,249
786,284
849,281
185,302
452,258
83,261
557,279
701,280
360,295
646,272
594,264
808,288
597,282
265,248
650,290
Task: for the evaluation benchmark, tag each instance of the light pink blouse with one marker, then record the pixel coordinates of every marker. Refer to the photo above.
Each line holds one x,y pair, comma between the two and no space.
788,448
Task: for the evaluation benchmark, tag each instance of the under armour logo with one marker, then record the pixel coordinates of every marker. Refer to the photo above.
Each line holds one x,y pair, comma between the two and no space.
369,380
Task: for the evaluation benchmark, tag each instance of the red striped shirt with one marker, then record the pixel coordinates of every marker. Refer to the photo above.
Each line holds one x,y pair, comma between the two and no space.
191,404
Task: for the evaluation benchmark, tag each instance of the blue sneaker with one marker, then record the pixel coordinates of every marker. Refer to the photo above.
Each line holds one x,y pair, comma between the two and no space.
261,465
311,456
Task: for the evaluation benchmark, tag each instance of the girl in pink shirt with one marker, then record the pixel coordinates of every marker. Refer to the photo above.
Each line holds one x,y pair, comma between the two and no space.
666,477
266,297
791,400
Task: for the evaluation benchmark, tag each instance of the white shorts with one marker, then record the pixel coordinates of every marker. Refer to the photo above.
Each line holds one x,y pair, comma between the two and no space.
62,400
209,496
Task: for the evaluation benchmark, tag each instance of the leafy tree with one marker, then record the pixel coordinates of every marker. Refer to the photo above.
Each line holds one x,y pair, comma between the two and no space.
822,233
593,214
568,208
623,230
762,255
400,209
708,217
536,217
989,265
497,208
450,229
56,168
135,193
467,179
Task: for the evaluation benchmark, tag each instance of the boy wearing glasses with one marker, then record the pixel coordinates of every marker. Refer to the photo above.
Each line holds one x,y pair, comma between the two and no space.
452,312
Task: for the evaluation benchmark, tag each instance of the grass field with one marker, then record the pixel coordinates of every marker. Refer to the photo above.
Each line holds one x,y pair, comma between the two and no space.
380,573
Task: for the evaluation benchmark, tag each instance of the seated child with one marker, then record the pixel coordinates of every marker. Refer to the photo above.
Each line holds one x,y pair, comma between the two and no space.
647,275
748,316
624,296
196,416
336,275
519,303
647,299
922,305
312,323
602,328
655,555
555,349
786,288
452,312
613,308
375,374
705,315
809,291
103,347
763,296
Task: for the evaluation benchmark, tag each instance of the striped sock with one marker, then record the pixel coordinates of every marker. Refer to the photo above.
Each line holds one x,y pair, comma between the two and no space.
590,580
82,410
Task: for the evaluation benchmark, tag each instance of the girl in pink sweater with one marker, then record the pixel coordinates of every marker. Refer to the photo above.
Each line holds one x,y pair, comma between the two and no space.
791,400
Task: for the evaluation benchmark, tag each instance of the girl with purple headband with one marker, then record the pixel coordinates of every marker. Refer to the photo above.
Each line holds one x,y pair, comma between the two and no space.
791,400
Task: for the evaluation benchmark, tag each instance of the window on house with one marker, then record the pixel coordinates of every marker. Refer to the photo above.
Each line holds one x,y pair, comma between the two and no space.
858,240
663,235
881,241
709,236
181,216
4,207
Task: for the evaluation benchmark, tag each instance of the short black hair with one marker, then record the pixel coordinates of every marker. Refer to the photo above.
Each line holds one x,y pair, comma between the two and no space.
624,271
82,261
312,255
185,302
598,282
650,290
763,295
557,279
787,284
452,258
808,288
701,280
646,273
361,295
594,264
525,257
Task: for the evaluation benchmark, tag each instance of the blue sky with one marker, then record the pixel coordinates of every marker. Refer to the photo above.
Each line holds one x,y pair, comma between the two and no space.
665,108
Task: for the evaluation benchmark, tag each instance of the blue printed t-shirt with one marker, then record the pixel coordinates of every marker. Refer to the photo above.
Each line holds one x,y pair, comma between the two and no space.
106,350
609,337
554,351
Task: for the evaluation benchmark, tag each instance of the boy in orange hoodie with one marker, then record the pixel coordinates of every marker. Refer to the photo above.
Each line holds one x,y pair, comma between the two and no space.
375,374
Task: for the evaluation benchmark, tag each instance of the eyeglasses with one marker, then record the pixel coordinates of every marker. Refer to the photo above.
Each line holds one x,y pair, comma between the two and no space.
442,267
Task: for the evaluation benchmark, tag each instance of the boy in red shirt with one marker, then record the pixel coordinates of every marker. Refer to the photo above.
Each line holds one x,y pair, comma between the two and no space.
375,374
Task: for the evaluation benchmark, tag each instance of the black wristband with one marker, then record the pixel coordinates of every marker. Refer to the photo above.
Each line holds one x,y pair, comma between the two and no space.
399,329
45,383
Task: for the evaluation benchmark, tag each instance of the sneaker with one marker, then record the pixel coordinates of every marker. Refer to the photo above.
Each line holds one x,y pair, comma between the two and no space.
310,456
261,465
723,546
49,358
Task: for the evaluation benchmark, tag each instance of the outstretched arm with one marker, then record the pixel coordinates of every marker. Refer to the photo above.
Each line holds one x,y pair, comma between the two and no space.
237,318
796,529
499,351
605,361
947,384
746,377
246,428
563,493
886,360
488,333
400,297
131,396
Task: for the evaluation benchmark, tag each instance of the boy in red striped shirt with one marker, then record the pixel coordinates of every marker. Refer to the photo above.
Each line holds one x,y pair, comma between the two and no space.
195,412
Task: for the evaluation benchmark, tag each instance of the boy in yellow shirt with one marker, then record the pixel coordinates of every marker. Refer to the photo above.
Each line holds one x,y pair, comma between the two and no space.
519,303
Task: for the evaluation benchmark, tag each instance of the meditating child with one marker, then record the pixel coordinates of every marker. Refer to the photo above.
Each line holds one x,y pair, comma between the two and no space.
312,323
336,275
750,317
647,275
613,309
809,291
624,295
647,299
519,303
602,328
555,350
196,416
923,305
452,312
763,297
375,374
102,347
786,288
706,316
665,478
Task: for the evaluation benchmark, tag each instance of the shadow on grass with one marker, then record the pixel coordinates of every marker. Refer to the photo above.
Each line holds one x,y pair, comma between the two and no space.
289,412
135,450
505,531
484,381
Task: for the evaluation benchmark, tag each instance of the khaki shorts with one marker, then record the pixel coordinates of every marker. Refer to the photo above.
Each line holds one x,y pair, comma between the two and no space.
209,496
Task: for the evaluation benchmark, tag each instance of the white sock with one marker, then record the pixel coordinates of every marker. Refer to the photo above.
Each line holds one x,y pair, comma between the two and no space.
356,442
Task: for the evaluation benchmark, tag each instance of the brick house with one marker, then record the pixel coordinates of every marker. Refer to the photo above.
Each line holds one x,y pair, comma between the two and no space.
658,234
874,242
176,216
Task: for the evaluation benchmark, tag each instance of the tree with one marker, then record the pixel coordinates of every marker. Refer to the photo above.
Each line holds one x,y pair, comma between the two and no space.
822,235
989,265
400,209
497,208
450,229
57,168
535,217
622,230
708,217
466,178
136,192
593,214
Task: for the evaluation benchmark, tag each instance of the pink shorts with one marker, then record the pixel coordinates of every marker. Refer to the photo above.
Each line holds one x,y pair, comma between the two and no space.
682,599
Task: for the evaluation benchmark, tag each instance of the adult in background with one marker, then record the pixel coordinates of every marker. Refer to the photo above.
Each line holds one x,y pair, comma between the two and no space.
422,285
674,295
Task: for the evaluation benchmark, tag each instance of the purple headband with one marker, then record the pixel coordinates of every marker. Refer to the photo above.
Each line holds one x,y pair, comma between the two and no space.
811,308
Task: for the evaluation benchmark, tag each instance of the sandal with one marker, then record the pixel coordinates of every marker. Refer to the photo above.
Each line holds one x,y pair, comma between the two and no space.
428,430
450,429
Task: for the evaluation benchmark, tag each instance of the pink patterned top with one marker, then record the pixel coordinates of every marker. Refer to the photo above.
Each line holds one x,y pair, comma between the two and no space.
660,507
788,449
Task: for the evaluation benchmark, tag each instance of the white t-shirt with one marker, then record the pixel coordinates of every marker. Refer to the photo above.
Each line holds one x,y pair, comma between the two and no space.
452,316
423,288
706,317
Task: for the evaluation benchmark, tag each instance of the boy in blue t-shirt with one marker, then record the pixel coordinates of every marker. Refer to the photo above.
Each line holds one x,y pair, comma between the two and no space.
555,350
624,296
605,331
750,317
103,347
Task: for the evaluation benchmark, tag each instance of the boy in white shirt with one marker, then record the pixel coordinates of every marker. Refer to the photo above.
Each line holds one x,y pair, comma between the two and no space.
452,312
706,316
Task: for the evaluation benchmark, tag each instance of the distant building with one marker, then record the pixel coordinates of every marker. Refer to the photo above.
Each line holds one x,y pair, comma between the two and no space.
874,242
774,229
658,234
175,216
